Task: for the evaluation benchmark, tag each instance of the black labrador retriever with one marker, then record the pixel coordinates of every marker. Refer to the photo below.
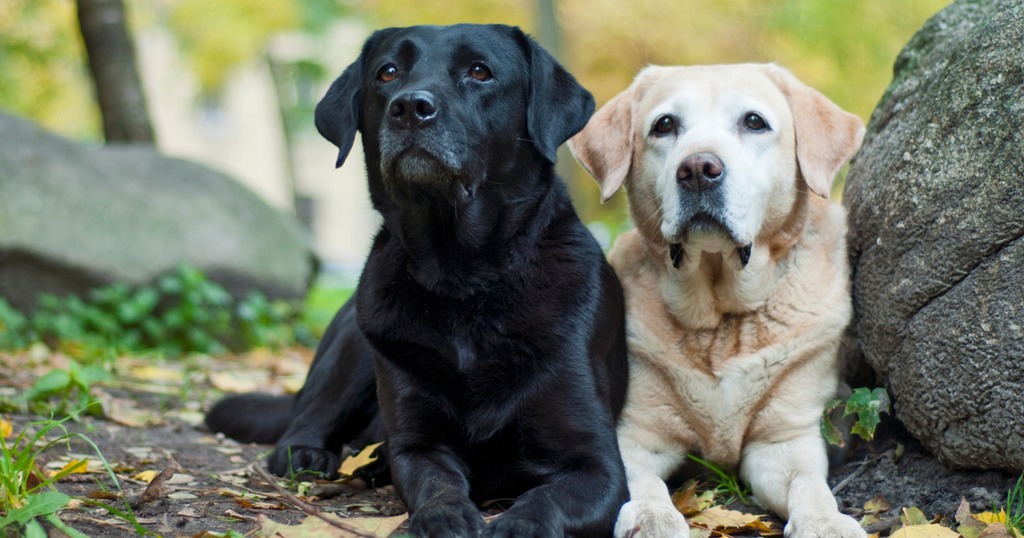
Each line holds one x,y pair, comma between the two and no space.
487,328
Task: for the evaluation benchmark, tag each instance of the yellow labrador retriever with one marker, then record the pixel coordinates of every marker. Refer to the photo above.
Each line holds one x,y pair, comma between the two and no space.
736,283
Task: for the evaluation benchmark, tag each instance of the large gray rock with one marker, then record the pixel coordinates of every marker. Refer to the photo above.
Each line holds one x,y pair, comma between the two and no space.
936,200
73,216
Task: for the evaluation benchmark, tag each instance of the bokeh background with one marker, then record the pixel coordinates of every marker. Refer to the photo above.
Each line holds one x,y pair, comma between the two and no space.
232,83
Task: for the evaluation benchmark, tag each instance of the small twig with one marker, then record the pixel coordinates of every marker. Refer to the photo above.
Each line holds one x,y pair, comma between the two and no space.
101,522
306,507
853,476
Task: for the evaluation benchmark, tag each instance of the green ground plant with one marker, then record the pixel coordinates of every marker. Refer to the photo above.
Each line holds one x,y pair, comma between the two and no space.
866,404
725,481
183,312
1015,507
71,385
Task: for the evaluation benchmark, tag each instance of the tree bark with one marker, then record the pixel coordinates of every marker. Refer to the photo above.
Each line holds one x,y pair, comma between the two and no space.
112,62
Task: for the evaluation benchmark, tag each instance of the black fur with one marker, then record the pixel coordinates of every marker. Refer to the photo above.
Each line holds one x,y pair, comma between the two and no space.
486,312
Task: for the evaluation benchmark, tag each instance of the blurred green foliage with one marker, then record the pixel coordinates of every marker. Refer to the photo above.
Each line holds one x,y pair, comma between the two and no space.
183,313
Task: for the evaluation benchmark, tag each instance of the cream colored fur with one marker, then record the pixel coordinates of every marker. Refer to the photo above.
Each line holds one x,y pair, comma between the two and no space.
732,362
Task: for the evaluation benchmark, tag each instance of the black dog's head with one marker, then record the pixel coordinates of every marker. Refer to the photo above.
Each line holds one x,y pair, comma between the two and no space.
442,109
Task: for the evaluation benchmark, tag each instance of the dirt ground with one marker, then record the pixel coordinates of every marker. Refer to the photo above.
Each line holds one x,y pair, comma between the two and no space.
154,410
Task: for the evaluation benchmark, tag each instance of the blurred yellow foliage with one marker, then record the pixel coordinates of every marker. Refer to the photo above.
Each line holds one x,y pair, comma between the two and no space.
216,36
43,75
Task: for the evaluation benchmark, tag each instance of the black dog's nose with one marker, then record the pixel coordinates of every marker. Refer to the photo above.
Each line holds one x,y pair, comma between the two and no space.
413,108
700,172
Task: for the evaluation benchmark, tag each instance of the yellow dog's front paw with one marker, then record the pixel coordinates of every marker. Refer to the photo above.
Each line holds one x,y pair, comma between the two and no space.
650,520
833,525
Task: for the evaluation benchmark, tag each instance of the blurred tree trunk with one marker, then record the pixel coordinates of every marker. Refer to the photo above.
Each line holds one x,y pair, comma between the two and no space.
549,35
112,62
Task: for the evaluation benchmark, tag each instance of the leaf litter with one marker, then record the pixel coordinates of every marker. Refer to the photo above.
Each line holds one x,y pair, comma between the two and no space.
148,420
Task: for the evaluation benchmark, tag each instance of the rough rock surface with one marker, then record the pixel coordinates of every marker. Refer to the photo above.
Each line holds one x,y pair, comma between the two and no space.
936,201
73,216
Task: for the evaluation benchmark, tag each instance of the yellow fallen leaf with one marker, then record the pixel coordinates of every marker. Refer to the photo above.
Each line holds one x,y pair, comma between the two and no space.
145,476
931,530
877,505
718,518
913,516
699,532
126,413
873,535
155,374
365,457
75,467
990,518
239,381
6,429
313,527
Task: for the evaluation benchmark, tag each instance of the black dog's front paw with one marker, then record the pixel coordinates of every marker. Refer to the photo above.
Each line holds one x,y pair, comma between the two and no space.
297,460
456,519
512,525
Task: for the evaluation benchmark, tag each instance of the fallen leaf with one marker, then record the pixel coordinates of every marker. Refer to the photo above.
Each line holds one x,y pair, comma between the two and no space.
990,517
969,526
145,476
877,505
688,502
913,516
181,496
699,532
996,530
180,478
365,457
930,530
155,374
311,527
6,429
719,518
104,495
189,512
125,412
156,486
257,505
869,519
239,381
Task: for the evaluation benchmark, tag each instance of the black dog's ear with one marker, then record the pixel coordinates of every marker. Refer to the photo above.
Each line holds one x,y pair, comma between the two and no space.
338,114
559,107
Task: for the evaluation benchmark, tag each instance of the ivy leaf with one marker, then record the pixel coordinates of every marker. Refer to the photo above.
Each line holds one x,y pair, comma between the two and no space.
828,429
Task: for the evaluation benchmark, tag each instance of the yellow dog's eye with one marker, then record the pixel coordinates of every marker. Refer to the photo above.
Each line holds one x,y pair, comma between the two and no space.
480,72
755,122
664,125
387,73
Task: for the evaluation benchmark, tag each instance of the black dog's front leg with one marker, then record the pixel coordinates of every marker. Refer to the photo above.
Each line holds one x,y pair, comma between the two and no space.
582,502
337,403
434,484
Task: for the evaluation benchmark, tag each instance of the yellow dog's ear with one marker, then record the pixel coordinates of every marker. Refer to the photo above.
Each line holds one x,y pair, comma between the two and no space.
826,135
605,146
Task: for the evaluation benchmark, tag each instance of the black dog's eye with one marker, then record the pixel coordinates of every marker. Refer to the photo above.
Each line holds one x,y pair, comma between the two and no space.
664,125
387,73
754,122
480,72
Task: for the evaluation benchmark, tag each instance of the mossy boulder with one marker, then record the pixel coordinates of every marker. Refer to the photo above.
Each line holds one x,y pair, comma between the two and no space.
75,216
936,204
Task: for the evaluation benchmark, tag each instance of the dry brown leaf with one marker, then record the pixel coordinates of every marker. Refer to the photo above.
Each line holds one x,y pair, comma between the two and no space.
969,526
365,457
719,518
103,495
996,530
930,530
688,502
313,527
877,505
258,505
156,486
